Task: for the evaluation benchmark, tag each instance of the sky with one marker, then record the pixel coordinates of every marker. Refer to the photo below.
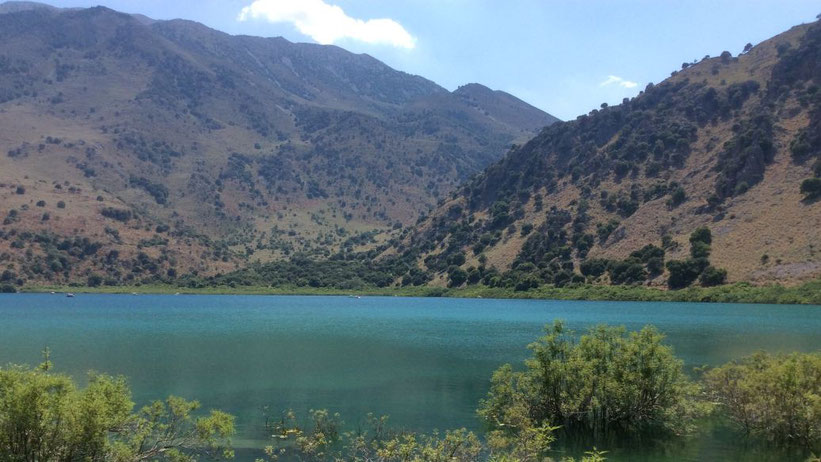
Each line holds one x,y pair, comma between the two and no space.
565,57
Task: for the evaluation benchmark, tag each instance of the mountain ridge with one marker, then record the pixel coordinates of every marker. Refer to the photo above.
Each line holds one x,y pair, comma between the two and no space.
725,142
246,148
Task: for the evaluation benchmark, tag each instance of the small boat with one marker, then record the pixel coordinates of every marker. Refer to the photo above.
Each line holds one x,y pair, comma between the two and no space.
70,295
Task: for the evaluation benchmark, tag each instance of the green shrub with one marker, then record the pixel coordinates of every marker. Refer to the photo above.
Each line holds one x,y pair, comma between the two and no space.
45,416
741,188
594,267
742,162
713,276
606,381
457,259
157,190
456,277
677,197
95,280
811,188
116,214
700,250
701,234
603,230
322,438
583,243
777,398
648,253
655,266
627,272
684,272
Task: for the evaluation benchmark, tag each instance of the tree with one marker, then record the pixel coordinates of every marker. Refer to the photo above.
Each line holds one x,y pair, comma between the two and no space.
94,280
627,272
116,214
700,249
677,197
811,188
457,259
700,243
594,267
748,47
607,381
777,398
726,56
46,417
684,272
457,276
713,276
701,234
168,430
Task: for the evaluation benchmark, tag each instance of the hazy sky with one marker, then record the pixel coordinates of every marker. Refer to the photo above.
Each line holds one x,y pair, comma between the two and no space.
566,57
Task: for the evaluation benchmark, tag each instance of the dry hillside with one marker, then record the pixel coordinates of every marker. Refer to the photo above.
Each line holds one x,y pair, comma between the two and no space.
724,143
238,148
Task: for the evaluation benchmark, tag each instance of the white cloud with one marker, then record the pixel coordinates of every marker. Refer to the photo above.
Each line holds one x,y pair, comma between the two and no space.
614,79
327,23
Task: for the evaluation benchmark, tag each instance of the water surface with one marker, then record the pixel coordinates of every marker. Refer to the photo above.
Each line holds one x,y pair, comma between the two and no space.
425,362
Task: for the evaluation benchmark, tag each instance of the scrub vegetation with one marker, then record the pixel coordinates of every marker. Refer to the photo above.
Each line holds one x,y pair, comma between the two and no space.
395,182
602,384
46,417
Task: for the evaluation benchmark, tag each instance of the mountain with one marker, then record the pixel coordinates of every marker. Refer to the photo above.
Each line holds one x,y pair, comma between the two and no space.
622,195
172,146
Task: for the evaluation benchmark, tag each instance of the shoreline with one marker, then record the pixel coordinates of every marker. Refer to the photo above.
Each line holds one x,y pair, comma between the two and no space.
806,294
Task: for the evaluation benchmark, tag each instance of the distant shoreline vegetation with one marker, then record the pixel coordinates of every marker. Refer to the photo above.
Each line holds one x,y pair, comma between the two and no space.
808,293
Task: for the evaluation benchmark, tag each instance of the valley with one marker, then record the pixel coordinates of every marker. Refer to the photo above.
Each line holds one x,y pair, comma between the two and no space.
142,152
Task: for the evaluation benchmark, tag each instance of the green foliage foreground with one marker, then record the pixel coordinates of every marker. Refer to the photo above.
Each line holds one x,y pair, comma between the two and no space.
775,398
323,439
606,382
45,417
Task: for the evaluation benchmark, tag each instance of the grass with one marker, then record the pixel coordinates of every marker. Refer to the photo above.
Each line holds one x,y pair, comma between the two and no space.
808,293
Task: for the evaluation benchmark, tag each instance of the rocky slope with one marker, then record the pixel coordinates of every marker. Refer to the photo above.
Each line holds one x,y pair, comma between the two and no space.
237,148
727,143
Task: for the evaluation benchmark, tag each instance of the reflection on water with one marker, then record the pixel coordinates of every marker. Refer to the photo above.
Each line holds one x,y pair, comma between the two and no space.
424,362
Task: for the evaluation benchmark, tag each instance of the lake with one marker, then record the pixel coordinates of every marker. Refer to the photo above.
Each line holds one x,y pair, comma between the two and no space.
426,362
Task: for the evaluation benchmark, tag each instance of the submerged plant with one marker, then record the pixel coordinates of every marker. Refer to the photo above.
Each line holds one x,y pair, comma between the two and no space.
607,381
777,398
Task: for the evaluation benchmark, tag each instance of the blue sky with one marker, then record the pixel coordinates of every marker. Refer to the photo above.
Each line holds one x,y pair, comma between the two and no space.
566,57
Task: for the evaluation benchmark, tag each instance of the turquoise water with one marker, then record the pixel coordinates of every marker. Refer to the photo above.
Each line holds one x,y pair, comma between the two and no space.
425,362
